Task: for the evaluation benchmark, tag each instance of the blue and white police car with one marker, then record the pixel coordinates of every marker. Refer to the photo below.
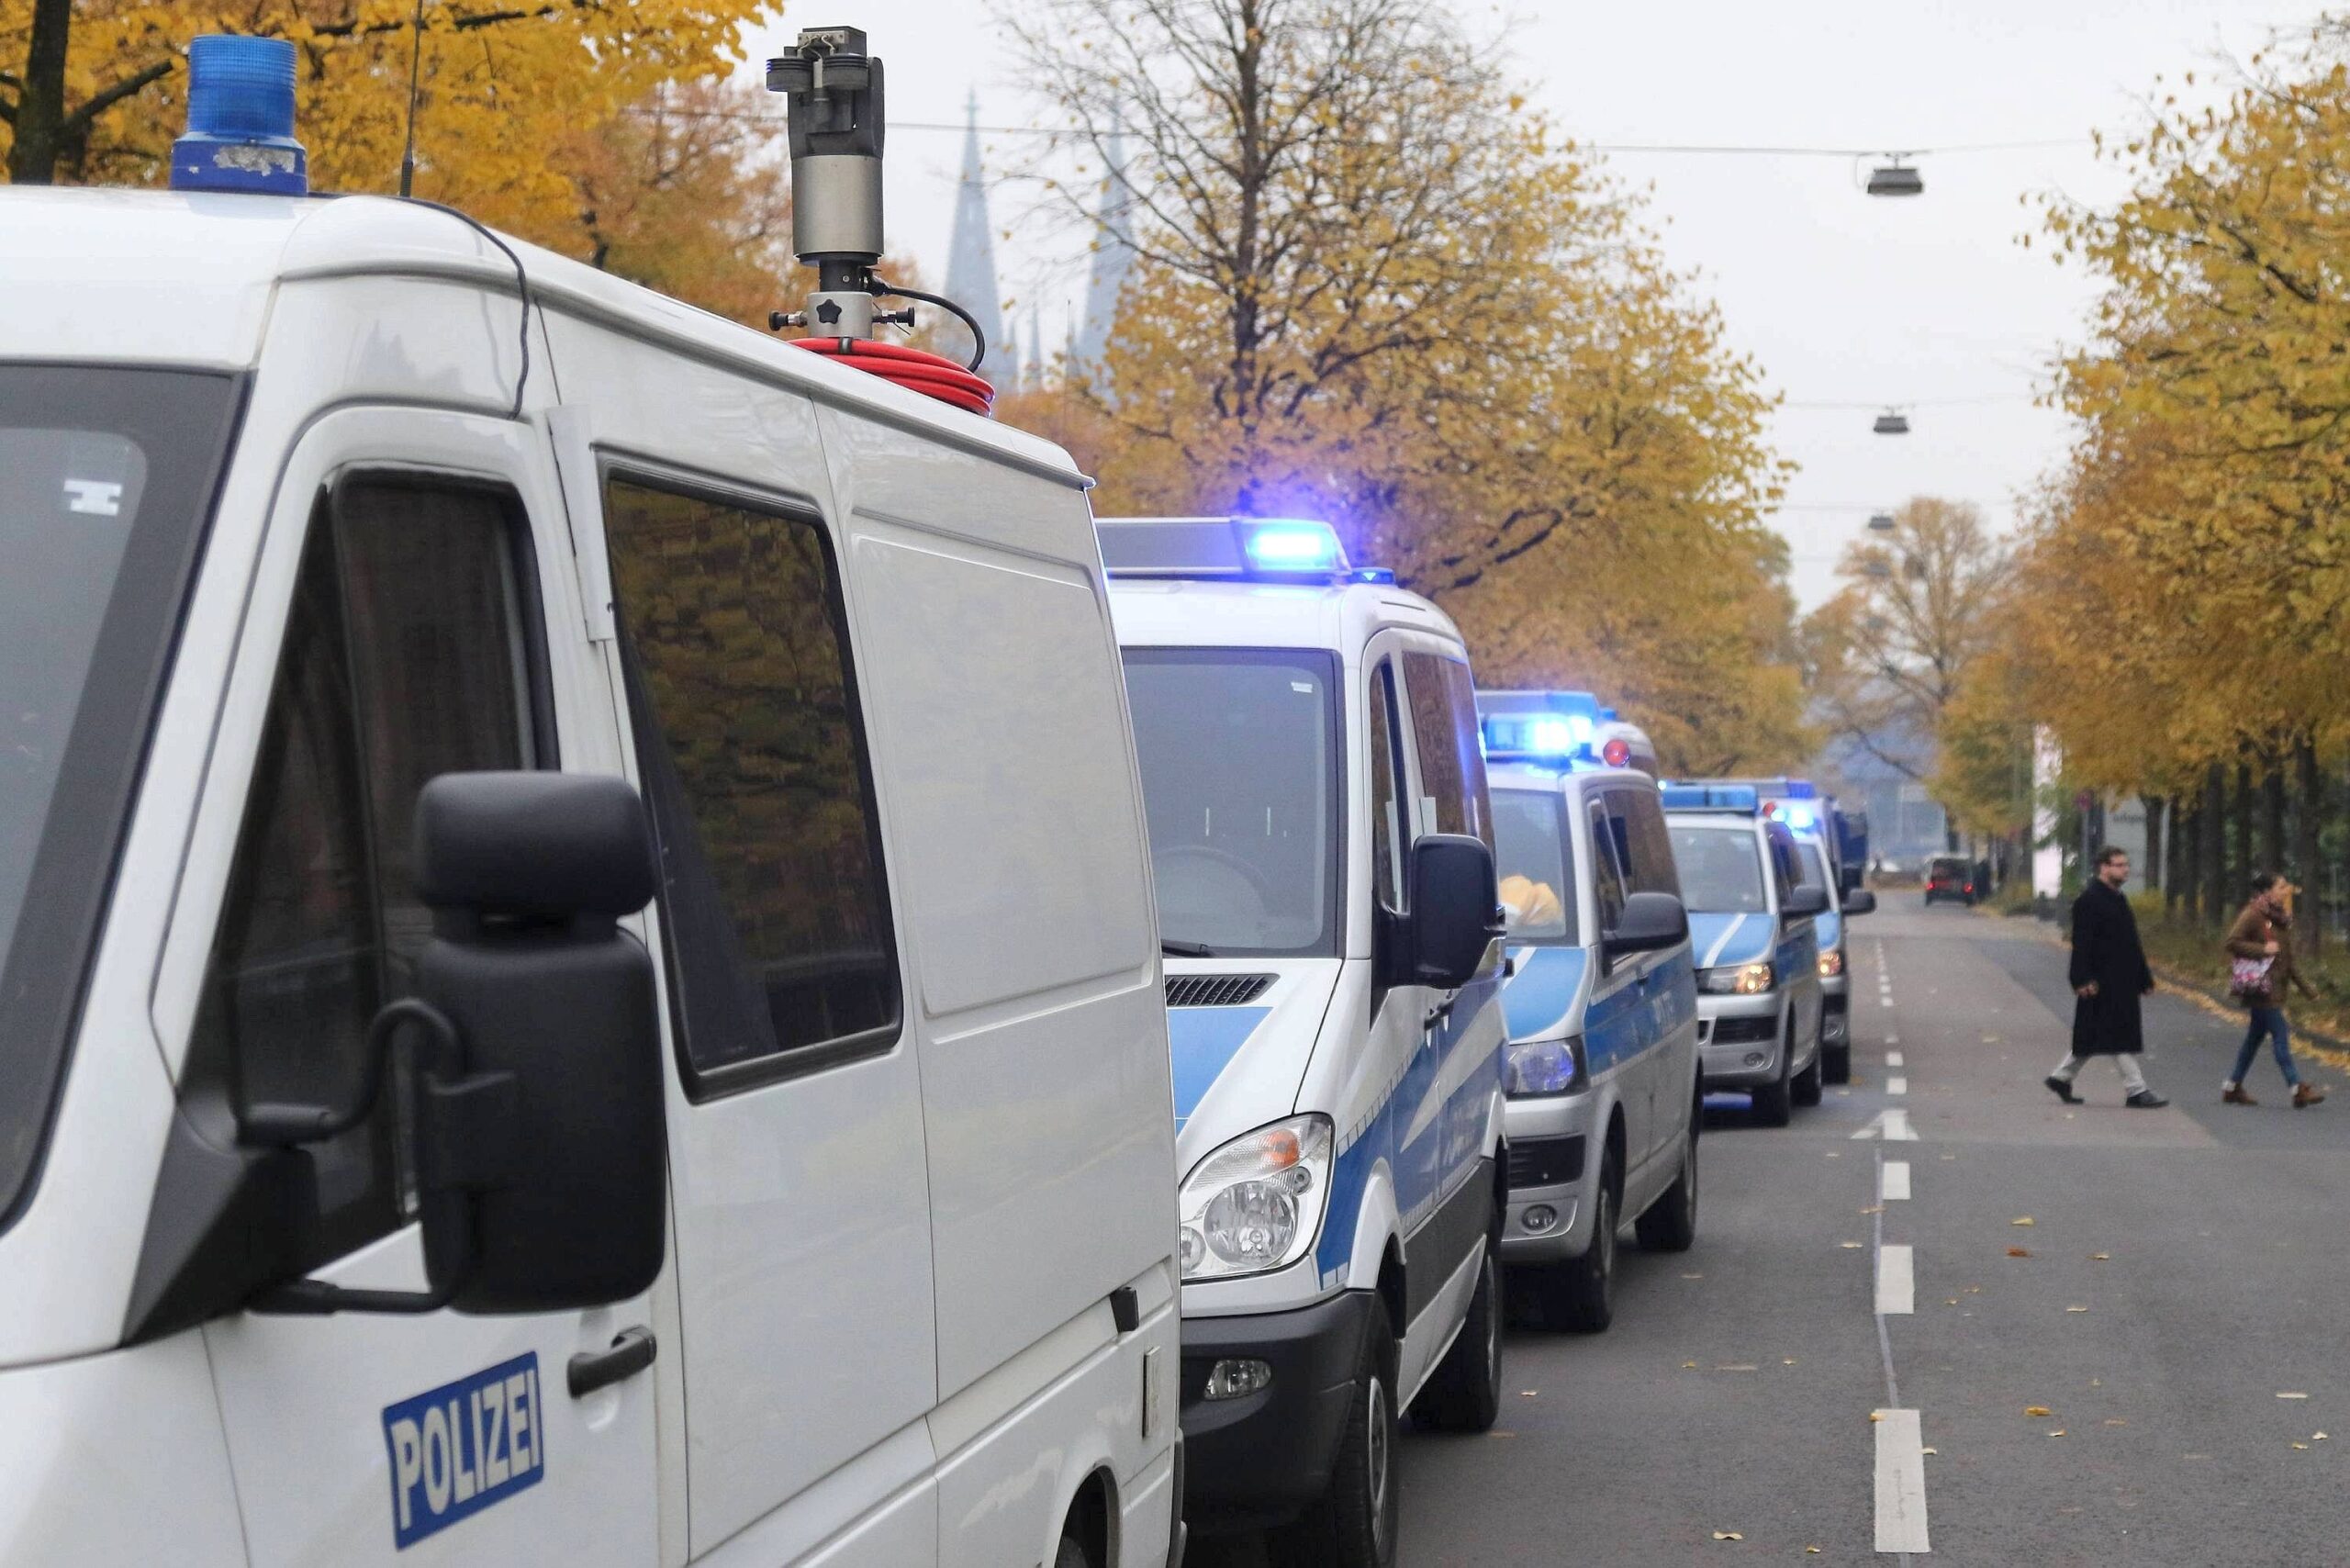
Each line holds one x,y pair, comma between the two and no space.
1754,928
1605,1097
1321,843
1814,821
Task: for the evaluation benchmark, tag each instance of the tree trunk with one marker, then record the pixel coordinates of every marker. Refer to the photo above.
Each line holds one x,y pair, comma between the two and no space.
2186,860
2153,805
2309,811
2215,843
2272,815
2239,838
40,100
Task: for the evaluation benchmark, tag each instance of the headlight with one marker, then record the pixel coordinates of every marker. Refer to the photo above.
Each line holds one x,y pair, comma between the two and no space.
1543,1066
1831,963
1256,1203
1738,980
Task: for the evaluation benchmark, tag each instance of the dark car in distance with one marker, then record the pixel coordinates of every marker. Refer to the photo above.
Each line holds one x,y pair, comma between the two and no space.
1950,877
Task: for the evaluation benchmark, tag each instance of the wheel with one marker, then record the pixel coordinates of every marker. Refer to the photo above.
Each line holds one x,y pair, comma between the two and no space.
1072,1554
1580,1294
1353,1524
1772,1100
1805,1088
1839,1063
1464,1393
1670,1223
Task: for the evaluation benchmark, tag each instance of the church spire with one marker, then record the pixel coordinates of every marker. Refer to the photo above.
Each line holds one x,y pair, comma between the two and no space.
971,256
1113,259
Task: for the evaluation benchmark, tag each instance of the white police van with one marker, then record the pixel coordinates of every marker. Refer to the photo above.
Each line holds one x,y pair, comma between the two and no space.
580,978
1753,929
1321,844
1601,1003
1811,819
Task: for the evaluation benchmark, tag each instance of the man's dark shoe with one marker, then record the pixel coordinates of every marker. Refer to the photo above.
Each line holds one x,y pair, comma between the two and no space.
2145,1100
2062,1089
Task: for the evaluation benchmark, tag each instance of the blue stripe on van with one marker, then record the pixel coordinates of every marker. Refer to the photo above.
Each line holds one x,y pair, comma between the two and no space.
1535,1000
1203,1041
1741,938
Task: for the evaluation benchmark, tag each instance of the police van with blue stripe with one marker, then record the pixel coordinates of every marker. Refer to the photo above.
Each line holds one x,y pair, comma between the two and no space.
1601,1003
1321,844
1754,924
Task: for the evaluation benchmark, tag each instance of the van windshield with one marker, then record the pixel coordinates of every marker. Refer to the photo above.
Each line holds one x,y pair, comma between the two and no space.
1721,869
1240,779
1536,860
105,476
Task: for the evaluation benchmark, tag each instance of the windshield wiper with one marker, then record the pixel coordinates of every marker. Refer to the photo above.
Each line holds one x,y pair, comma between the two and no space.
1174,948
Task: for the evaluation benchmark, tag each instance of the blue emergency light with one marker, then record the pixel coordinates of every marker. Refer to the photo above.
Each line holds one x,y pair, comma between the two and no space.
241,120
1740,797
1285,544
1265,549
1539,737
1798,817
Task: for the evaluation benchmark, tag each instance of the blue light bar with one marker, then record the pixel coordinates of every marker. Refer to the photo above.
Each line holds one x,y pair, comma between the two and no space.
1740,797
1289,545
1798,817
241,120
1271,549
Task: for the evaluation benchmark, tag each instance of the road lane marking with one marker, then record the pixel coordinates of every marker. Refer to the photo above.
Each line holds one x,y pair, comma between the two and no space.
1900,1482
1897,1086
1896,1289
1891,1038
1891,1125
1894,1186
1884,1001
1893,1058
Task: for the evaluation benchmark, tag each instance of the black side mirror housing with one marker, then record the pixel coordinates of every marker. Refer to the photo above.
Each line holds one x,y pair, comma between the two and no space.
1456,914
1804,902
1651,922
1852,876
1860,901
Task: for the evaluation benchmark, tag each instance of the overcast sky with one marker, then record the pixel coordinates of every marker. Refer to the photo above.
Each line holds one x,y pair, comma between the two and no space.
1927,303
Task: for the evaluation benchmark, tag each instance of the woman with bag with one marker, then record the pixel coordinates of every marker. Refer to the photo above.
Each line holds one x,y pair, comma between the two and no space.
2260,952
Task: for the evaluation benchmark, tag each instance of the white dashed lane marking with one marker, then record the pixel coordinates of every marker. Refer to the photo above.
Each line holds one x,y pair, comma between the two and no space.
1895,1186
1896,1290
1893,1058
1900,1482
1897,1086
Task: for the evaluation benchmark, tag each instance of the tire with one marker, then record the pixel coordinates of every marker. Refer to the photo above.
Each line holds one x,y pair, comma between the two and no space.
1839,1060
1354,1524
1464,1393
1772,1100
1805,1088
1670,1223
1072,1554
1579,1295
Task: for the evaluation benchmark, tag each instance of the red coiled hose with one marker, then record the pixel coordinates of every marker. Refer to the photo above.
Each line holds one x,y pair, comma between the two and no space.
913,368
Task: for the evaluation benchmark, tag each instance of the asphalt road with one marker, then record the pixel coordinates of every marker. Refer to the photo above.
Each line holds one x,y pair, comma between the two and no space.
2187,1267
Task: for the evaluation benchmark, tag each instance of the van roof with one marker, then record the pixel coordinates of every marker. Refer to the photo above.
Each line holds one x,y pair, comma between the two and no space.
166,278
1187,613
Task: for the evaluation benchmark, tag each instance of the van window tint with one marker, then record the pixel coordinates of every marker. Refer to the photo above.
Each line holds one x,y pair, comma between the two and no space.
1721,869
1451,751
1607,868
1648,849
753,759
1386,797
404,656
1536,861
1240,785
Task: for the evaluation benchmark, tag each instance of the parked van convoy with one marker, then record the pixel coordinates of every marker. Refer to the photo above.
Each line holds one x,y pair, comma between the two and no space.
580,981
1752,928
1321,843
1604,1098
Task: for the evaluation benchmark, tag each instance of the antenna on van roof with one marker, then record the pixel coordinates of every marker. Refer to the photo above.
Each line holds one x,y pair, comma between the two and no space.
832,83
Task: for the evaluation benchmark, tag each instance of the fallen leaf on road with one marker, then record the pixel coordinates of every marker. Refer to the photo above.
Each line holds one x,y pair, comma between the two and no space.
2021,1219
1727,1535
2057,1433
1739,1367
2100,1257
1874,1209
1688,1366
2317,1437
2301,1445
1527,1392
2018,1251
2038,1410
1834,1154
2096,1382
2292,1397
2076,1309
1975,1290
1692,1276
2115,1421
1929,1451
1951,1301
1811,1551
1786,1361
1876,1416
1850,1245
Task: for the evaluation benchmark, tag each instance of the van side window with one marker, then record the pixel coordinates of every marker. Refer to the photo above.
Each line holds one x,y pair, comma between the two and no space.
753,759
1606,868
1451,752
1647,847
1387,798
407,654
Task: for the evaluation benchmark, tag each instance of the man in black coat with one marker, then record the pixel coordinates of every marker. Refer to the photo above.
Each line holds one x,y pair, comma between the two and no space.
2109,974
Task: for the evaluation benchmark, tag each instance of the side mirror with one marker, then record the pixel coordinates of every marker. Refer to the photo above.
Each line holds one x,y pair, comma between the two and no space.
1860,901
536,1070
1804,902
1649,922
1456,910
1852,876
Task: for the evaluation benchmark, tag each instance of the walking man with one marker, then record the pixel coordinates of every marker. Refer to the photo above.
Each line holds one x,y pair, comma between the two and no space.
2109,974
2261,943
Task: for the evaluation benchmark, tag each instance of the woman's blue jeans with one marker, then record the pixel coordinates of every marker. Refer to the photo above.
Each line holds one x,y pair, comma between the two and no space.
2268,1021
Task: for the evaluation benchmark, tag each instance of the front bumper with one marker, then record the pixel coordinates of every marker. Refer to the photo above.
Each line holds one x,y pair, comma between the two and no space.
1553,1166
1836,1010
1263,1458
1740,1038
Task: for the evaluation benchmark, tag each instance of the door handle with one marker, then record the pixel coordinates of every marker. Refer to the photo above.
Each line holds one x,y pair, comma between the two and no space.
1437,1015
631,1352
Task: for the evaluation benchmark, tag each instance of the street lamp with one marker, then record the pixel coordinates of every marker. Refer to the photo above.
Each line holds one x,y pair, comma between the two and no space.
1881,523
1896,179
1893,421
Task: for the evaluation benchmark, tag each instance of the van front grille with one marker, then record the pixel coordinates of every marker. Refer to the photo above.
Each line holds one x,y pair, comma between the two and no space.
1215,990
1544,1162
1745,1030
